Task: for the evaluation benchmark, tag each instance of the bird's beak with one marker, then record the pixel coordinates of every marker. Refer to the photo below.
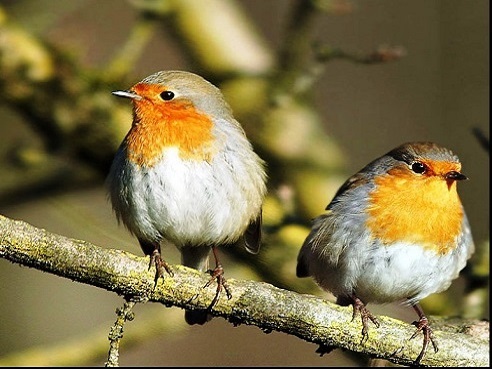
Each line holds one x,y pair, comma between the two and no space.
455,176
127,94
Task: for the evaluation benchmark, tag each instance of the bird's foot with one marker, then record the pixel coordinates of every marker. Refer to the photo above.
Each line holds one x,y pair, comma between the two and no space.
366,316
161,266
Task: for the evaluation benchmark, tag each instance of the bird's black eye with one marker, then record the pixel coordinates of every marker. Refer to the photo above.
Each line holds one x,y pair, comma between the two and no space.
167,95
418,167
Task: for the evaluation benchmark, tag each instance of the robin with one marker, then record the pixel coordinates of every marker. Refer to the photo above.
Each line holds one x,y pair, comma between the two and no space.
395,231
186,173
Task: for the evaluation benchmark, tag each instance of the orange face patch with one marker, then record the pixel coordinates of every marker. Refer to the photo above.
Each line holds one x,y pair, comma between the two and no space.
440,168
162,124
421,209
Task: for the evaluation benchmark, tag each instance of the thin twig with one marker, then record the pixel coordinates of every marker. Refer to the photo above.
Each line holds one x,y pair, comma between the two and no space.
124,314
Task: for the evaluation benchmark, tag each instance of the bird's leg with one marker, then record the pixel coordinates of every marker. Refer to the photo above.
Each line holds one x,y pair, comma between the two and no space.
423,326
154,250
218,274
365,314
160,265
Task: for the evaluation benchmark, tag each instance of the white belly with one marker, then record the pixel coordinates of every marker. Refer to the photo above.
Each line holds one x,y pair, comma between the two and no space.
385,274
188,202
404,271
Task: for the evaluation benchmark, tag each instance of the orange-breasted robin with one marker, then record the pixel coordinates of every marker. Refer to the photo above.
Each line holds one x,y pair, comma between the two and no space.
186,173
395,231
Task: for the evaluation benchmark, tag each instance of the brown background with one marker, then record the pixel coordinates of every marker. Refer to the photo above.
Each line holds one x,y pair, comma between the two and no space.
438,92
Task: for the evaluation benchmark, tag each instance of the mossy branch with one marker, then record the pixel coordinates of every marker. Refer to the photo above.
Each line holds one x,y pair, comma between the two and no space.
462,342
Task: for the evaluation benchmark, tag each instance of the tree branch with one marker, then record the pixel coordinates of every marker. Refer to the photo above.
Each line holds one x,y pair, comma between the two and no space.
462,342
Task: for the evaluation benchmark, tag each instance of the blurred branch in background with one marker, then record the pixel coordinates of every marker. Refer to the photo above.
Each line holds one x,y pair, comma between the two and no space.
482,139
124,61
68,107
462,342
477,272
80,124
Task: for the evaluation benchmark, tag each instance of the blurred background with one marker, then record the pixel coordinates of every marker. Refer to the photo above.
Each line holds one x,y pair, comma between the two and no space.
321,87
